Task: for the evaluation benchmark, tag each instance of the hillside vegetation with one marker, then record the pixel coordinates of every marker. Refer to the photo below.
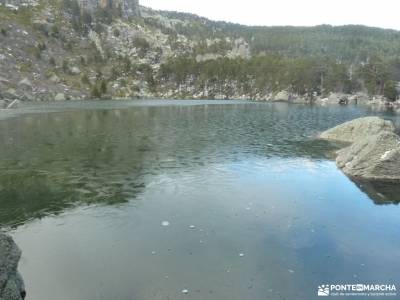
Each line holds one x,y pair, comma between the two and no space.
52,49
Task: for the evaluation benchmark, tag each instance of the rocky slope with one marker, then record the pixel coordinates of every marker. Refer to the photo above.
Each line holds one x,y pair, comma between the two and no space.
79,49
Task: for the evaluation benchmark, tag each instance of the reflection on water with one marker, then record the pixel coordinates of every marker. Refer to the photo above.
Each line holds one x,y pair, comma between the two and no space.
381,192
84,192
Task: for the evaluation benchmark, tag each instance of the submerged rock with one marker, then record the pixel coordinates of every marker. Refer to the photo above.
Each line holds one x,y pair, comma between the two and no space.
358,129
11,283
375,150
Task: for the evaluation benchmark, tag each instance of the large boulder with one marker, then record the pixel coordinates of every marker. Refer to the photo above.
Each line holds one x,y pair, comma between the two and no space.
374,153
25,84
374,157
334,99
362,98
75,71
54,78
358,129
60,97
282,96
11,283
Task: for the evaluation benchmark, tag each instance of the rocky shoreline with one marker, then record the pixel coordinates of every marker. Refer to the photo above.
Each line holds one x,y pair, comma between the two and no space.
11,99
11,283
374,150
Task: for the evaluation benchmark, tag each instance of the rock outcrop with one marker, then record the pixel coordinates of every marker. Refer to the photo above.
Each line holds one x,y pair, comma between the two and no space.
60,97
128,8
375,158
11,283
375,150
282,96
358,129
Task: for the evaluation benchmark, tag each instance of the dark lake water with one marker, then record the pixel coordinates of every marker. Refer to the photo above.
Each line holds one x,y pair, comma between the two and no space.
255,206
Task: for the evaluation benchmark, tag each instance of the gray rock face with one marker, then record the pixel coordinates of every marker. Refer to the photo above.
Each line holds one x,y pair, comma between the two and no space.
376,157
129,8
375,150
11,283
358,129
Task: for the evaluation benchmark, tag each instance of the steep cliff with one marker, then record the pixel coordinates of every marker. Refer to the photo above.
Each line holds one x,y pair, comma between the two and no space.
128,8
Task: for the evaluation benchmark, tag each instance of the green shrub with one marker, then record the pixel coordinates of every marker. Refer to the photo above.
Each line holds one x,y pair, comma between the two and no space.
85,79
54,31
103,87
390,90
143,46
52,61
42,46
83,61
116,32
65,66
95,92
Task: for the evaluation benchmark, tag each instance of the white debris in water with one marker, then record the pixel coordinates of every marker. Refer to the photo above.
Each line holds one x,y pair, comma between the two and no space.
201,242
192,227
248,208
153,252
165,223
185,291
241,254
291,271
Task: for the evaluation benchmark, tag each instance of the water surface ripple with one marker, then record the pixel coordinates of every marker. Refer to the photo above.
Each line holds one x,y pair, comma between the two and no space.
256,207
